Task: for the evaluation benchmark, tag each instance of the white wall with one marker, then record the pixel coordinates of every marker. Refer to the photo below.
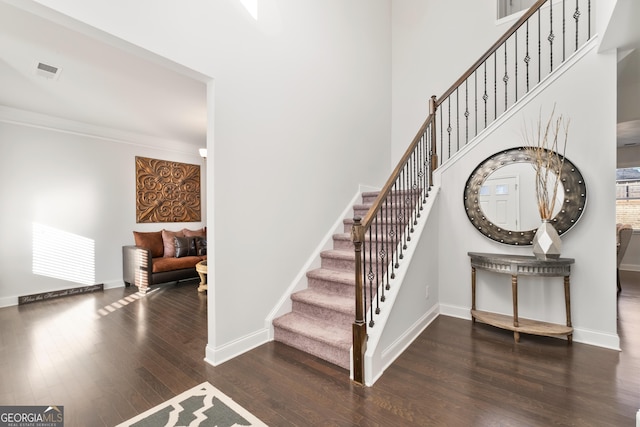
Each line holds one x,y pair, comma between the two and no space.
302,116
77,184
430,53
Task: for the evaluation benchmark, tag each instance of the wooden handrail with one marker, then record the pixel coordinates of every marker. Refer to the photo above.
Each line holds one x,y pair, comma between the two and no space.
524,18
368,218
435,103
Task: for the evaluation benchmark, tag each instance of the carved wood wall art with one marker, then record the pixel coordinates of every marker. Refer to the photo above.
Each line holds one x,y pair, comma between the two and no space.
167,191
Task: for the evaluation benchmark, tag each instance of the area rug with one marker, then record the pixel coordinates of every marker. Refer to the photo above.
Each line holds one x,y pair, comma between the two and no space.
202,406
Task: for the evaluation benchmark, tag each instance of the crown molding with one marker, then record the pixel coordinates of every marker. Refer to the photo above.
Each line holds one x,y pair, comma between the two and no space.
16,116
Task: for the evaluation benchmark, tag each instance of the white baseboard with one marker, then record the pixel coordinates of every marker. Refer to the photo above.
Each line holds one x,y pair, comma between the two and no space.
630,267
218,355
584,336
455,311
8,301
114,284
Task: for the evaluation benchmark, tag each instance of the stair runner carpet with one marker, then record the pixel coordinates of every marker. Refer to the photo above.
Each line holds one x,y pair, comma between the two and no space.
322,315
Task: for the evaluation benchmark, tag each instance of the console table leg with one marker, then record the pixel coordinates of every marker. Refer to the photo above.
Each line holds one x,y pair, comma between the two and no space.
567,301
473,292
516,336
514,292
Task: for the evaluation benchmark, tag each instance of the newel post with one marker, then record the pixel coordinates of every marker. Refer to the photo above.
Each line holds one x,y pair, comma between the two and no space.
434,146
359,325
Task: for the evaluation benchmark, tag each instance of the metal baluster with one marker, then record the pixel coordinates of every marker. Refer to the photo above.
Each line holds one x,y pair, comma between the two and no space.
386,246
466,111
415,197
589,20
379,288
564,31
551,36
394,230
449,125
505,79
457,121
475,99
370,277
421,168
495,85
441,134
527,58
426,162
400,215
406,212
539,47
576,17
485,96
515,63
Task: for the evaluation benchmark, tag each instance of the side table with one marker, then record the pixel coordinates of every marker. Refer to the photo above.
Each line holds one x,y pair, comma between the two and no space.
516,265
201,268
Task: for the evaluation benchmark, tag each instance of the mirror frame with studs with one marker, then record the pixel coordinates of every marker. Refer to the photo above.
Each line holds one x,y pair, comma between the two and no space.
574,200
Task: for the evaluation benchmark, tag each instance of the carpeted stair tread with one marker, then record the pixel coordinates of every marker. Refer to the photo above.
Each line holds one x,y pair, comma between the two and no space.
346,238
325,300
338,276
341,254
322,315
316,329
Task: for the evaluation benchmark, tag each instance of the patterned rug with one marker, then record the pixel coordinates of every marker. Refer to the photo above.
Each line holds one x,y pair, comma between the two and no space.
202,406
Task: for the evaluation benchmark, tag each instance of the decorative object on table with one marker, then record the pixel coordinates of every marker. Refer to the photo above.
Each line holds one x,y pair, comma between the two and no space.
544,143
167,191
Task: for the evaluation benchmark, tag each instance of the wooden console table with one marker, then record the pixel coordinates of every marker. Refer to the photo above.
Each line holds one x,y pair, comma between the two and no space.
517,265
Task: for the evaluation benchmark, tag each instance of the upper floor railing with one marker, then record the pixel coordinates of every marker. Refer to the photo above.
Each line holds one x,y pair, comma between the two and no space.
534,46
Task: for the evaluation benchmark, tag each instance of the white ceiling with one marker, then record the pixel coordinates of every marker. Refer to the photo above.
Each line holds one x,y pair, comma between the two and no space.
99,84
106,86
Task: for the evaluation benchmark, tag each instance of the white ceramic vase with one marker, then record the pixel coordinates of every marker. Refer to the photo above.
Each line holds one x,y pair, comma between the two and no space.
546,242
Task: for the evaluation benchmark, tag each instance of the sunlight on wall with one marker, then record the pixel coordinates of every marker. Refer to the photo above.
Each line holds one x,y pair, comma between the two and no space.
63,255
252,7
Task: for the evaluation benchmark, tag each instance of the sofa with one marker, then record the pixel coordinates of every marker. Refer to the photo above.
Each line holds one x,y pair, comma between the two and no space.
162,257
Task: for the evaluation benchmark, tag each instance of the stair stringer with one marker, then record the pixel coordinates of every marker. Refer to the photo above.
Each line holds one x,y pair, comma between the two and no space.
299,283
395,329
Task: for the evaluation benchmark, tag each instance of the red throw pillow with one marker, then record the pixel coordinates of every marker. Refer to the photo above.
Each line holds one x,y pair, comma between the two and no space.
150,240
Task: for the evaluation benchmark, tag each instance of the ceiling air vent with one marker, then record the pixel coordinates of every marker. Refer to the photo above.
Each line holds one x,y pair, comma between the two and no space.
47,71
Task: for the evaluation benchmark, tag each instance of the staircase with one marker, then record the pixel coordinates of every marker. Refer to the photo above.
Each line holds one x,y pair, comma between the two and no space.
322,315
327,319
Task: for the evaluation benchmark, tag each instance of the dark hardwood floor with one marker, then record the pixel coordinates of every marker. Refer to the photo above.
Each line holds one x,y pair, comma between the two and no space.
108,356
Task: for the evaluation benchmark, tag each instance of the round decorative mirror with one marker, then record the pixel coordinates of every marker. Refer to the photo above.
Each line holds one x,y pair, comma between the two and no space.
499,198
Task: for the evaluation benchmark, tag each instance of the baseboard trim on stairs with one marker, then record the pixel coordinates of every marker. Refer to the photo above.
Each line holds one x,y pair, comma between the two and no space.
299,283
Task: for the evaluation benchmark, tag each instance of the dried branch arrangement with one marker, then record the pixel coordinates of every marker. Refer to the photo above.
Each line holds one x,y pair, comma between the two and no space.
543,144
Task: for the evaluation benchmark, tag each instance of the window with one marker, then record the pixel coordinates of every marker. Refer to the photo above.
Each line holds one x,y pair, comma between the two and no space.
509,7
628,196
